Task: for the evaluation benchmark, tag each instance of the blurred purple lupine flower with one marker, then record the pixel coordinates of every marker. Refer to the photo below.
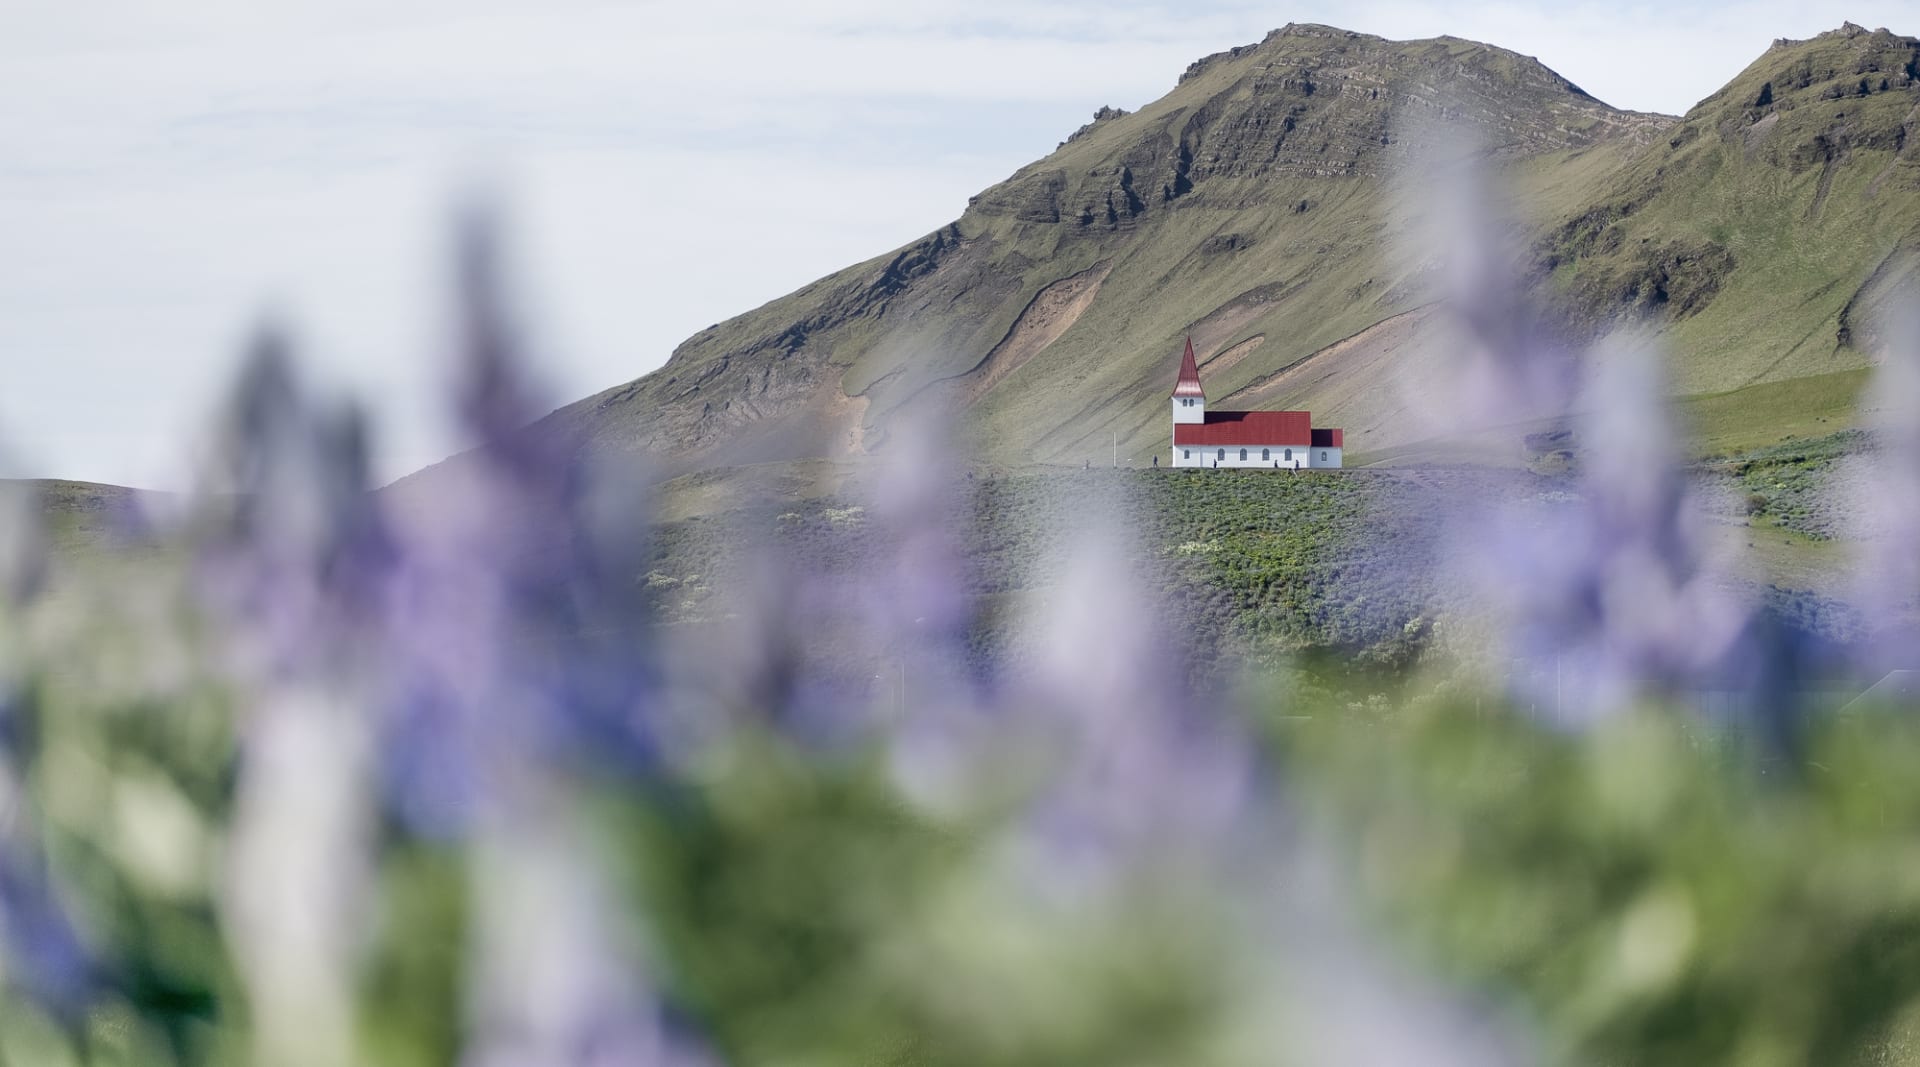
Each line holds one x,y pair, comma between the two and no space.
516,619
297,553
1138,771
844,646
1606,591
292,567
480,630
923,610
1505,361
522,659
1614,588
1888,581
46,959
555,982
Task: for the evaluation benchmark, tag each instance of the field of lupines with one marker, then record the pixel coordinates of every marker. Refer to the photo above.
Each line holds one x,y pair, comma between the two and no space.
499,771
1237,565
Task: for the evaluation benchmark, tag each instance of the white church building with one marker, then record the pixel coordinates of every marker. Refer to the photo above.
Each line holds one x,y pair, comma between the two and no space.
1267,439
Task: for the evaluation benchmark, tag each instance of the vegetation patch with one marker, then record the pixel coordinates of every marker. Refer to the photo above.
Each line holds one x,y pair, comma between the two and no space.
1802,486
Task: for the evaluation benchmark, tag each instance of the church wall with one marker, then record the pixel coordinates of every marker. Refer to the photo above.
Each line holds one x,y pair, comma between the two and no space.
1210,457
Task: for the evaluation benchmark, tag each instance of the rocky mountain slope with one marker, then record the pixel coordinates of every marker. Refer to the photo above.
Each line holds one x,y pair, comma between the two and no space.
1268,206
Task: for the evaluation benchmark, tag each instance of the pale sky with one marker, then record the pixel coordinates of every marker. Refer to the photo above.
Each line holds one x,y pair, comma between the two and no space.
176,171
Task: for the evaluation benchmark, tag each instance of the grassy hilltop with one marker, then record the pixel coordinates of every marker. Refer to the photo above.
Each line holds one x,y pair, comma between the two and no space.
1268,206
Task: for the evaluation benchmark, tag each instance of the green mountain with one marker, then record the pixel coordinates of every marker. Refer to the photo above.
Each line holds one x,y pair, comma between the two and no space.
1267,206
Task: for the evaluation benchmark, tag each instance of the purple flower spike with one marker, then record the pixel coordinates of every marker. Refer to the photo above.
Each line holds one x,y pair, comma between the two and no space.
1609,595
1889,578
297,552
46,959
1139,776
1506,360
518,629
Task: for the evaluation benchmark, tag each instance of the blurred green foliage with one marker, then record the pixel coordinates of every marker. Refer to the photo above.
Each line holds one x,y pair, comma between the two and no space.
1801,484
1652,892
805,913
1656,890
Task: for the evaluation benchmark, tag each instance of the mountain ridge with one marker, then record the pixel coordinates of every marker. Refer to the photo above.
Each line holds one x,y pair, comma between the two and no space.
1256,206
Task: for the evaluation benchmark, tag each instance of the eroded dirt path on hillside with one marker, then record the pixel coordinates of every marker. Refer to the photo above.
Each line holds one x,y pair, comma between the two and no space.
1047,317
1378,384
1226,361
1219,326
1318,368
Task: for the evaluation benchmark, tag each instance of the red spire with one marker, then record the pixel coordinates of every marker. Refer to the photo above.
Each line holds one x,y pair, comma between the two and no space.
1189,384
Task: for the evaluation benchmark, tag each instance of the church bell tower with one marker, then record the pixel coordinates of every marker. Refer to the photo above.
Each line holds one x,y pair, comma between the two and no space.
1189,402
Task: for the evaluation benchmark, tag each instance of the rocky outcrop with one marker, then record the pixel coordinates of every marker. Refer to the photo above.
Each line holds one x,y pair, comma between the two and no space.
1105,114
1308,102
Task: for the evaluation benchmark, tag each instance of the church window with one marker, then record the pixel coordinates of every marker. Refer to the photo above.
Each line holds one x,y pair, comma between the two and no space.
1266,454
1243,454
1289,455
1323,457
1222,455
1186,453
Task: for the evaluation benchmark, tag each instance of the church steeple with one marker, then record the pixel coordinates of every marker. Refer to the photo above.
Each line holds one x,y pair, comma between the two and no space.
1189,402
1189,383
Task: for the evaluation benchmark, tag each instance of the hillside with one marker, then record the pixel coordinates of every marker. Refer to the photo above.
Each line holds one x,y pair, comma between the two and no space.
1266,205
1772,220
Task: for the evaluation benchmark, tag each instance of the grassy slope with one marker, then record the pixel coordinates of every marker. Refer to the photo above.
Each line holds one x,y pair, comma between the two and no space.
82,516
1808,195
1257,143
1338,265
1763,414
1755,240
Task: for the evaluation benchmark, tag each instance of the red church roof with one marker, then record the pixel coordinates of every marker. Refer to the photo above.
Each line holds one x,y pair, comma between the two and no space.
1189,383
1238,429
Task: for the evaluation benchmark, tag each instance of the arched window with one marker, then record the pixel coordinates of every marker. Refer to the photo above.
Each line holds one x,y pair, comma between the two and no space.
1223,455
1323,457
1266,454
1186,453
1289,455
1243,455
